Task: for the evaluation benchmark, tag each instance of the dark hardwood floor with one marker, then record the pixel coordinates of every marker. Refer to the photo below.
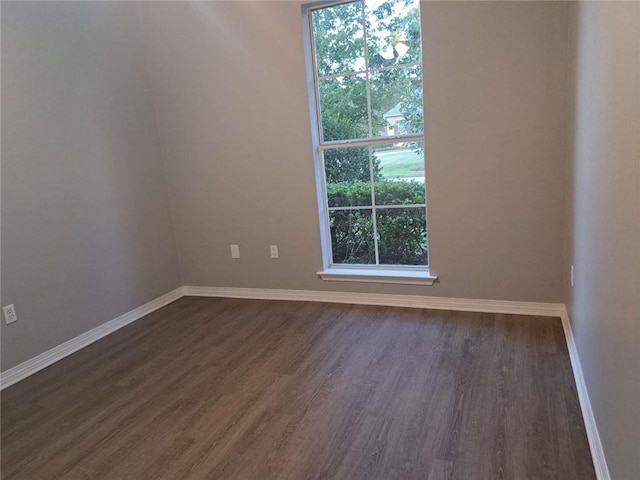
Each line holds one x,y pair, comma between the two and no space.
247,389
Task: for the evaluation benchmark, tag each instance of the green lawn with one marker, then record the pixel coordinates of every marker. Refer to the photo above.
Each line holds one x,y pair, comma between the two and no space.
401,163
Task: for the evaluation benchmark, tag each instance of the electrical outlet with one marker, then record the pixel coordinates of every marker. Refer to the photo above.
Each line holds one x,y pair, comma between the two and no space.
10,315
235,251
572,275
274,251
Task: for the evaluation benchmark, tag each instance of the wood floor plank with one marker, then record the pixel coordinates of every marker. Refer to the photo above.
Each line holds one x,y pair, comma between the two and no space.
248,389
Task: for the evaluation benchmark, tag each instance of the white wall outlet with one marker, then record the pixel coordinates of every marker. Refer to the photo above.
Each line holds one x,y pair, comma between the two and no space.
235,251
572,275
10,315
274,251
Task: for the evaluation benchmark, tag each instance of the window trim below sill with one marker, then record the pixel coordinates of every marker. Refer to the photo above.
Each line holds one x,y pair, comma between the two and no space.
406,277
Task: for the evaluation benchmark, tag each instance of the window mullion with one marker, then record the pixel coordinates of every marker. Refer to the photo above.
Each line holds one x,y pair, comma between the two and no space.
316,81
398,66
364,142
373,206
370,123
368,207
366,69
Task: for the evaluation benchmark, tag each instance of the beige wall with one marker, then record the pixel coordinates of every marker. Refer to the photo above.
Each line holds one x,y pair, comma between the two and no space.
231,99
86,231
605,235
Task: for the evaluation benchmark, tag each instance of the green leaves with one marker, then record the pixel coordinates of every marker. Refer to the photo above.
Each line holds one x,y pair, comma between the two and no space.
349,164
402,236
352,237
392,32
386,192
343,105
338,39
402,232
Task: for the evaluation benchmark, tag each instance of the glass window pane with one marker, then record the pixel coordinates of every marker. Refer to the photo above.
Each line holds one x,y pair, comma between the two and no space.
402,236
348,177
393,32
400,179
352,237
343,106
338,39
396,101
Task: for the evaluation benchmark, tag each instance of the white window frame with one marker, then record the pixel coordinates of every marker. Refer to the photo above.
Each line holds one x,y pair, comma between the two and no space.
406,274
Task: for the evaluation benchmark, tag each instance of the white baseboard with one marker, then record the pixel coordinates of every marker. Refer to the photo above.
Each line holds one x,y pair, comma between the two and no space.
35,364
412,301
597,452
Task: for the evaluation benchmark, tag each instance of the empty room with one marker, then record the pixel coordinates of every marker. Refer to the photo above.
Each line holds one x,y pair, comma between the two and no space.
296,240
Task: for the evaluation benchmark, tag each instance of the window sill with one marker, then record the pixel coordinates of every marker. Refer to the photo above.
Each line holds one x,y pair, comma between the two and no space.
407,277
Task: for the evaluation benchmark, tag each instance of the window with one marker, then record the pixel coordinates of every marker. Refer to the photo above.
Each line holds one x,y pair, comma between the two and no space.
364,58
